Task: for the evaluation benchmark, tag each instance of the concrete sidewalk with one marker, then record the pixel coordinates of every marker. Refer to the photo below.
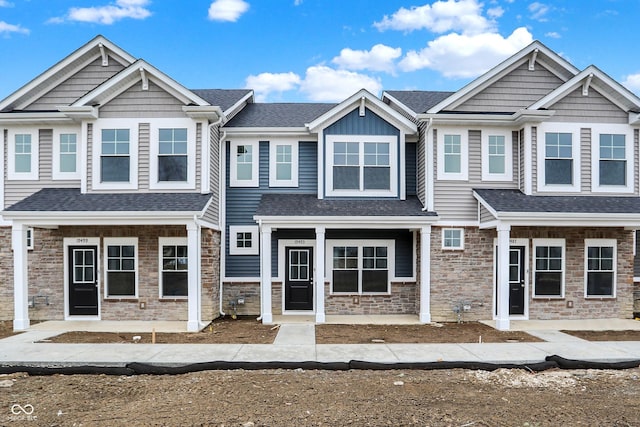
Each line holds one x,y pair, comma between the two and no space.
296,343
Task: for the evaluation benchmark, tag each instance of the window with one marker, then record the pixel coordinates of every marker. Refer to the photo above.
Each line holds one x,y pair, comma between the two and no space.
121,267
361,165
23,155
549,268
115,162
243,240
558,162
173,267
30,238
600,257
172,154
612,159
453,238
497,160
283,164
244,164
558,156
453,155
65,154
360,267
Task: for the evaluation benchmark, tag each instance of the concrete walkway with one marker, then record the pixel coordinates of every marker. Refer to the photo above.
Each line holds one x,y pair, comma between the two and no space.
296,343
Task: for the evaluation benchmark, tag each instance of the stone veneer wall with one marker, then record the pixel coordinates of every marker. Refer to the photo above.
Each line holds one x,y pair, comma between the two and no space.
249,291
400,301
6,274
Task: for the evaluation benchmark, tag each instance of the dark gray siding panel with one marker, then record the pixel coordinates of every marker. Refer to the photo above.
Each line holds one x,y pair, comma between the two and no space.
369,124
410,168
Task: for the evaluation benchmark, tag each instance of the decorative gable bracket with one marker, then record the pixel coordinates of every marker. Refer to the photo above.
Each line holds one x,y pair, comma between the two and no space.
586,84
103,53
145,80
532,60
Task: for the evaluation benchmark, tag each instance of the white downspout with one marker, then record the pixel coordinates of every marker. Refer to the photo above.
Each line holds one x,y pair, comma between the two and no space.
221,184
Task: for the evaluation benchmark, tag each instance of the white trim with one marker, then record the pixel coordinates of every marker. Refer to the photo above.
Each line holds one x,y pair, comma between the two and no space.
321,164
507,175
453,248
233,241
525,244
30,238
601,243
576,154
205,156
133,126
120,241
34,173
55,172
83,152
616,129
273,179
550,242
255,163
154,140
170,241
281,265
80,241
463,175
392,140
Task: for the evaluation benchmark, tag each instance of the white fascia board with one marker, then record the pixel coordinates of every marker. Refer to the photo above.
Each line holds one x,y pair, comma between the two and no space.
203,112
364,222
102,218
84,112
506,120
239,105
634,119
25,118
565,219
398,103
266,132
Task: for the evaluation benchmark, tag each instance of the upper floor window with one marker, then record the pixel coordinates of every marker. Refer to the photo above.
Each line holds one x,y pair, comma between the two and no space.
558,157
65,154
23,155
115,162
361,165
612,159
283,164
453,155
172,160
172,155
497,161
244,163
115,154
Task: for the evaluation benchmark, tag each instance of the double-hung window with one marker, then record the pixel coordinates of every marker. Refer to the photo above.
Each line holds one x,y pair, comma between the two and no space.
121,267
612,159
115,160
600,271
549,268
362,165
244,162
65,154
453,154
172,154
114,154
23,155
172,151
360,267
174,267
497,161
283,163
558,157
558,163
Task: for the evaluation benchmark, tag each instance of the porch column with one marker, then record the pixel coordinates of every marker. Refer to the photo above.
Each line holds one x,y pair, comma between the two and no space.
265,275
425,274
193,284
319,274
20,277
502,297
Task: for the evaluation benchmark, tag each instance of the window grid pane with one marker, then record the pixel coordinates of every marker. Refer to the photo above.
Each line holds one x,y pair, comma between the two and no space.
452,238
600,271
284,161
244,162
121,270
496,154
548,270
23,153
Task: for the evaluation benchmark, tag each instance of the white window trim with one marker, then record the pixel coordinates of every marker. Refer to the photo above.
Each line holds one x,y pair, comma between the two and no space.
255,164
120,241
169,241
233,241
130,124
273,180
464,154
601,242
30,237
391,267
56,173
627,131
154,140
549,242
574,130
508,155
34,175
392,140
453,248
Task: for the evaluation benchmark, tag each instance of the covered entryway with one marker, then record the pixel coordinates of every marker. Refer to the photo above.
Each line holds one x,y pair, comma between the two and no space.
298,285
82,280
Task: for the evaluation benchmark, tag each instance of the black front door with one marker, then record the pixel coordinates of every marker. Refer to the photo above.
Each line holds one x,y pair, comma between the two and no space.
298,284
83,281
516,280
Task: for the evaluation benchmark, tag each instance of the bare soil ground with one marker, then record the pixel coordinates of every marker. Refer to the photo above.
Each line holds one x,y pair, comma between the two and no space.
326,398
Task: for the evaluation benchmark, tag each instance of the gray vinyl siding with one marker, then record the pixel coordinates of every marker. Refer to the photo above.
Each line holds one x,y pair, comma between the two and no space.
144,141
138,103
422,164
534,159
211,214
593,108
77,85
89,156
454,200
485,215
585,160
410,168
518,89
16,190
521,174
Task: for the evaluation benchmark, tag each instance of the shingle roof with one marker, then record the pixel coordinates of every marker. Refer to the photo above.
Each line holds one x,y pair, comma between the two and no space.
516,201
297,205
419,100
223,98
278,114
71,200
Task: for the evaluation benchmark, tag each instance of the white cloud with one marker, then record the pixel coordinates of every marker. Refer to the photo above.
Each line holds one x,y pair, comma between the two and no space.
464,56
538,11
379,58
632,82
10,28
227,10
495,12
297,2
107,15
266,83
553,35
325,84
440,17
5,3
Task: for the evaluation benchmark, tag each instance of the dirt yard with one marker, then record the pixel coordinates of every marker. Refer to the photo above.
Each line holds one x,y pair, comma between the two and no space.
326,398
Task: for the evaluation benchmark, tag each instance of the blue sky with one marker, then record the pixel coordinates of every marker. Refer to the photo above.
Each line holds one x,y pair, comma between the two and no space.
320,50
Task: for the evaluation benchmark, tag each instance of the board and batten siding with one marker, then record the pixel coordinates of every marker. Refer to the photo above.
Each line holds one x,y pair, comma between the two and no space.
144,140
584,109
137,103
16,190
410,168
454,199
585,160
516,90
76,85
521,173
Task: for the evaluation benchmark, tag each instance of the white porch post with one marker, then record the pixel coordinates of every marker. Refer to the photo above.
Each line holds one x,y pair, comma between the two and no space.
502,320
319,274
20,277
425,274
265,275
193,284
